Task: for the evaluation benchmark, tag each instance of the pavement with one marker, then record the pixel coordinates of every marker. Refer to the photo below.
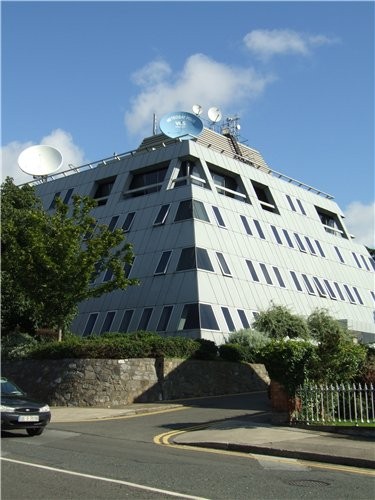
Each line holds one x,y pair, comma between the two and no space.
253,433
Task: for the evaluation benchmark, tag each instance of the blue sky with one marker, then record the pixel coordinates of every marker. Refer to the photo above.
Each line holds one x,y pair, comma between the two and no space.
86,77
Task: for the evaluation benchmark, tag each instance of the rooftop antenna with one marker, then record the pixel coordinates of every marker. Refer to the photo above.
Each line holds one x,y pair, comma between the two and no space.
231,126
40,161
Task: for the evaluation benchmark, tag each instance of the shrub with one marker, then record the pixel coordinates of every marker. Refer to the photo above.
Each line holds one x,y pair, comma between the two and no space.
278,322
207,349
237,353
17,345
250,338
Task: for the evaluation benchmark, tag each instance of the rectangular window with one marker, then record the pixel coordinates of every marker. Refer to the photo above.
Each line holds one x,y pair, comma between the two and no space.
68,196
107,323
164,319
330,290
243,318
339,255
218,216
113,222
341,295
53,202
147,181
246,225
331,222
266,274
319,247
276,234
259,229
203,260
90,324
125,322
349,294
310,245
108,275
357,295
278,276
301,246
300,206
145,318
189,318
163,262
228,319
207,317
253,273
194,258
365,263
356,260
265,197
189,209
296,282
291,203
309,288
223,264
162,215
128,222
288,239
102,189
319,287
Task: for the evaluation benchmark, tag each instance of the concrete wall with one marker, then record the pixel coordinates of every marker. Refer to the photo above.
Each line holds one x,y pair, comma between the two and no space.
119,382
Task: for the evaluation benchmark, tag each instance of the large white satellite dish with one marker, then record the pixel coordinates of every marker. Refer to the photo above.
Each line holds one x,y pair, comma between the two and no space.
214,114
40,160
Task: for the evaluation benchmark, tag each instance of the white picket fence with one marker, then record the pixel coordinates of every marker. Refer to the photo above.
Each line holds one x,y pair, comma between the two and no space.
335,403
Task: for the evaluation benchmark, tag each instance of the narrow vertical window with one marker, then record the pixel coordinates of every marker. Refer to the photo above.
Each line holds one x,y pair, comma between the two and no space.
223,264
68,196
163,262
357,295
228,319
300,206
308,285
339,255
319,247
373,295
319,287
113,222
162,215
246,225
218,216
108,275
145,318
276,234
288,238
349,294
259,229
337,286
253,273
107,323
301,246
291,203
125,322
310,245
278,276
296,282
90,324
356,260
53,202
164,319
365,263
128,222
243,318
266,274
330,290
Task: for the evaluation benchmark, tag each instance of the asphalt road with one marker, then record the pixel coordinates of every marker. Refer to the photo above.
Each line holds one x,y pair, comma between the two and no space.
118,458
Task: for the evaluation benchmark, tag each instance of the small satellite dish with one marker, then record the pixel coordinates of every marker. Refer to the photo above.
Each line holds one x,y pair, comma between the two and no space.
197,109
40,160
214,114
181,124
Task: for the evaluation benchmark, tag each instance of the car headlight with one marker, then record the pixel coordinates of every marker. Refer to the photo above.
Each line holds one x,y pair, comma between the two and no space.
8,409
44,408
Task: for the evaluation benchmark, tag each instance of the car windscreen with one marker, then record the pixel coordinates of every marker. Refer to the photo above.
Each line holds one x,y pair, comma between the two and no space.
9,389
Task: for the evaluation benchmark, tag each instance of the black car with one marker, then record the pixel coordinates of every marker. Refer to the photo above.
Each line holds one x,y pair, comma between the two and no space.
20,412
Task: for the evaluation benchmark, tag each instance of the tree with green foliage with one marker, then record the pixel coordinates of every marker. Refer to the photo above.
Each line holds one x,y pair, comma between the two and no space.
278,322
50,260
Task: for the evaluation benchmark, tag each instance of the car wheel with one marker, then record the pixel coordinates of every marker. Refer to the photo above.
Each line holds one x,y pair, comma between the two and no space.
35,432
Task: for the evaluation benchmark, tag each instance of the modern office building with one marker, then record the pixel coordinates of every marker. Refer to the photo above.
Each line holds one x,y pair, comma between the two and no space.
218,236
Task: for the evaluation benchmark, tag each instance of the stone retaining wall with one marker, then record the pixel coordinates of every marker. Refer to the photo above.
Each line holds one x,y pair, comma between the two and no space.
119,382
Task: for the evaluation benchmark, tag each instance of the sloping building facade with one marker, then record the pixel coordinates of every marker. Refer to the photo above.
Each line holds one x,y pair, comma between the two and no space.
218,236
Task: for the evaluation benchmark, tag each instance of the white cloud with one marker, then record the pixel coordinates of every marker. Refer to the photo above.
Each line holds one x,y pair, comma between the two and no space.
58,138
267,43
202,81
360,220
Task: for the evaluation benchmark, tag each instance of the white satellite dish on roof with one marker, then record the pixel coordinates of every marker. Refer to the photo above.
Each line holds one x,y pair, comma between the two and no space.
40,160
197,109
214,114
